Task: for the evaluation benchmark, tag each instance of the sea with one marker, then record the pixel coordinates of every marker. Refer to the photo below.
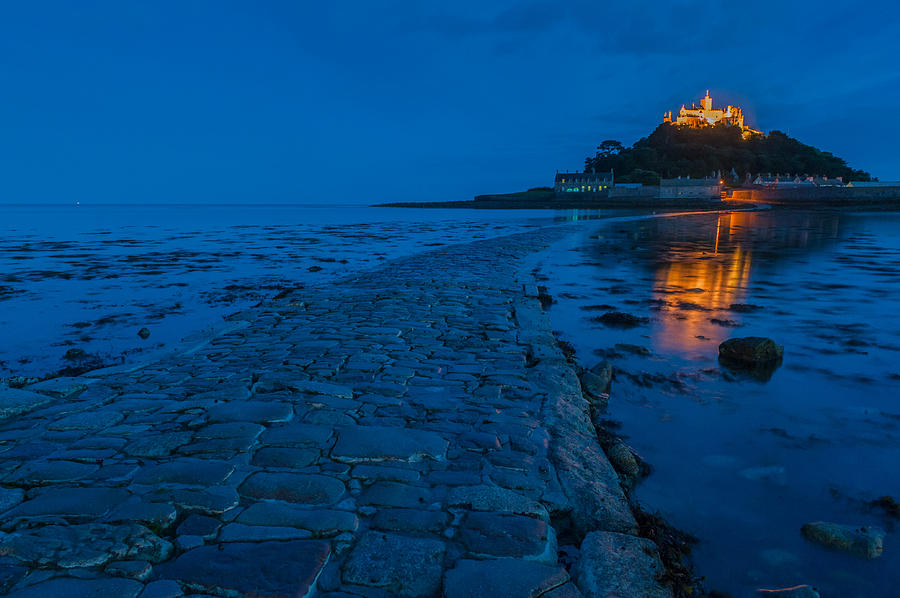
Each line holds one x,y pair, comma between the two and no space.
740,460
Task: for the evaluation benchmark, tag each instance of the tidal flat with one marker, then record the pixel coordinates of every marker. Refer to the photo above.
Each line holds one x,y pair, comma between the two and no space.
77,284
742,460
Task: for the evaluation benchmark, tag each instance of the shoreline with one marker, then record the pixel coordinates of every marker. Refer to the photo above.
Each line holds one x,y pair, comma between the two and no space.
589,503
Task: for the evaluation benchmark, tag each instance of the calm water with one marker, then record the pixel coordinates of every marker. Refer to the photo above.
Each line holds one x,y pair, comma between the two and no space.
739,462
90,277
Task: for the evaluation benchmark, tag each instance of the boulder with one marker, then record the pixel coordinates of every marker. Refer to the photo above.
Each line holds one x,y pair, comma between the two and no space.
613,564
596,381
750,351
867,542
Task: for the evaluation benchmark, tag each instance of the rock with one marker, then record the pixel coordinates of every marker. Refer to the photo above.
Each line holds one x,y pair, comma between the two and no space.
596,381
191,472
494,498
803,591
750,351
10,497
867,542
274,569
401,565
618,319
157,445
495,535
409,520
84,545
634,349
376,443
144,333
298,488
74,503
613,564
15,401
163,588
251,411
74,354
70,587
320,522
625,462
502,578
60,387
238,532
293,458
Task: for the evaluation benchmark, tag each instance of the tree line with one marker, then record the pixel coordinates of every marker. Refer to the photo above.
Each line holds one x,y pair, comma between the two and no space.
672,151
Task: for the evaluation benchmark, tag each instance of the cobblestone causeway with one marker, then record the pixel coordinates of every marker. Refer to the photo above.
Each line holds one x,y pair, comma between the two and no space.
415,431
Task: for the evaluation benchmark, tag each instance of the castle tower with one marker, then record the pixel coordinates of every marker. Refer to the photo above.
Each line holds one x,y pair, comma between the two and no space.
706,102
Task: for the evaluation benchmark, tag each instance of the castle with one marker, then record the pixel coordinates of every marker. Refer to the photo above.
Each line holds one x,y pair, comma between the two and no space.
706,116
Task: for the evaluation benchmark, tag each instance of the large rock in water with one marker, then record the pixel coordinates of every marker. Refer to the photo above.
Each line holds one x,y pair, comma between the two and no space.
867,542
596,381
614,564
751,351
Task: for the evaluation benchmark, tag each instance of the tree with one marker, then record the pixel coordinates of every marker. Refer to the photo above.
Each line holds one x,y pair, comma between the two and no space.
609,148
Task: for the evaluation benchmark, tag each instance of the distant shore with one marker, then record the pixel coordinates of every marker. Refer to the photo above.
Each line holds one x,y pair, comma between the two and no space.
567,204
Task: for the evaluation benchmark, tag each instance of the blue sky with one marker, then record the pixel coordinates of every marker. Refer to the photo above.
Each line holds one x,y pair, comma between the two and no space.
270,102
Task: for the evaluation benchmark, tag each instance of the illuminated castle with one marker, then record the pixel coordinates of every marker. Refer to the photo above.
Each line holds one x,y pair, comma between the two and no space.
706,116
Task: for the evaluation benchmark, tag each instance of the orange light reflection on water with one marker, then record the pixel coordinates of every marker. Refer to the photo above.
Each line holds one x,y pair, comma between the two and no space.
698,284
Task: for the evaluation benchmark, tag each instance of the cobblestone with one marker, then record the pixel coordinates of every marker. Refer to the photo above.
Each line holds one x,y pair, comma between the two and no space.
411,431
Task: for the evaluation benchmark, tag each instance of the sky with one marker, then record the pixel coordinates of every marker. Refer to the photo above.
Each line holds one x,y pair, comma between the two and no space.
359,101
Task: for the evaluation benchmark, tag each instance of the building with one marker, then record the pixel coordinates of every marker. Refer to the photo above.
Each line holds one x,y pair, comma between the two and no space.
583,182
874,184
796,181
688,188
707,116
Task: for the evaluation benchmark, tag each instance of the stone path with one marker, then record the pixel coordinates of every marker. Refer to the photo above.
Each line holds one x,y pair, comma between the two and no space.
415,431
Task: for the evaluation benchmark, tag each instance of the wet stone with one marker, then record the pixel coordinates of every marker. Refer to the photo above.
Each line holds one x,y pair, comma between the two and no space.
14,401
311,489
285,457
71,587
76,503
383,472
211,501
491,534
199,525
401,565
393,494
238,532
163,588
409,520
87,420
494,498
84,545
230,430
504,578
47,472
274,569
139,570
377,443
296,434
157,445
614,564
154,515
251,411
320,522
191,472
10,497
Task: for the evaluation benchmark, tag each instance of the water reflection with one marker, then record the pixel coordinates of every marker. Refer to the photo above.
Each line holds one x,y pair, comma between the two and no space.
702,270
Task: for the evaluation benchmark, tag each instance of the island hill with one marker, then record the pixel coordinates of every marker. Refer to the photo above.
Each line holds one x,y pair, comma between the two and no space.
699,158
